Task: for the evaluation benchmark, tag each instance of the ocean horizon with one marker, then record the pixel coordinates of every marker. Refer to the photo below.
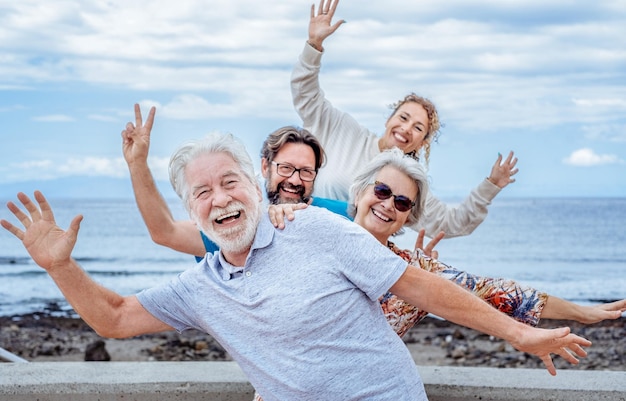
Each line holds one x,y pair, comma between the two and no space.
573,248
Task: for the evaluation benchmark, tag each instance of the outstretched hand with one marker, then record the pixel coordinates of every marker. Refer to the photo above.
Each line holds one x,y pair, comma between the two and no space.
544,342
136,137
320,25
503,171
46,242
598,313
429,250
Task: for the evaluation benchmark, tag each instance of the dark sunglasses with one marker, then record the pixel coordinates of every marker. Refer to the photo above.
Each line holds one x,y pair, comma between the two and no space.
400,202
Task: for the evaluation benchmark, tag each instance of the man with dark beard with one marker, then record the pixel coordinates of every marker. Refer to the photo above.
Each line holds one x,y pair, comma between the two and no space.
290,160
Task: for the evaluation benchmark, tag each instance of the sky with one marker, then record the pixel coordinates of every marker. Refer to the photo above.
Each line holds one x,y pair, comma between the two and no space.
545,79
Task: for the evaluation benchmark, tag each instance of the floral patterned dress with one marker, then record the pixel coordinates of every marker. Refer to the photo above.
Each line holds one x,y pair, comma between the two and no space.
522,303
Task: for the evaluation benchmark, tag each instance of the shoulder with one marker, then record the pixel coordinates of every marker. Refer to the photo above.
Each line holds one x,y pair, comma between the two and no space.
314,212
336,206
323,225
315,216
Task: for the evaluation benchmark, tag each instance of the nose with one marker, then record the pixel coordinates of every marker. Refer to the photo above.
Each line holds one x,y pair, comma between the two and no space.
388,203
295,178
406,126
221,198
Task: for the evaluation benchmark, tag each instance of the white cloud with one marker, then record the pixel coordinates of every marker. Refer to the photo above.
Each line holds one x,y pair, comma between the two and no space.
102,117
93,166
606,132
189,106
494,68
11,108
600,102
488,58
34,165
88,166
54,118
586,157
159,167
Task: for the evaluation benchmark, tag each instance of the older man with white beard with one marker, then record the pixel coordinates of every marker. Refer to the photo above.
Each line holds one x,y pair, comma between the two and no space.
296,308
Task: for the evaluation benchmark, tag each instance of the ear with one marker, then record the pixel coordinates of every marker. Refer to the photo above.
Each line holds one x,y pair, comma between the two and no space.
265,167
357,198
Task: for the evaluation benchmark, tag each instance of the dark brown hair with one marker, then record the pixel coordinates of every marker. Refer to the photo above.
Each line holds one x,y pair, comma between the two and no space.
290,134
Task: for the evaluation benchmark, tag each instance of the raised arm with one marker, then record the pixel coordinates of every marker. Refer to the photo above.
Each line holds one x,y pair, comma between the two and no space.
180,235
341,136
108,313
424,290
462,219
308,97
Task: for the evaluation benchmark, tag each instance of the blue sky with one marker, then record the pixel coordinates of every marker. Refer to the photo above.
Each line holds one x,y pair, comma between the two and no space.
546,79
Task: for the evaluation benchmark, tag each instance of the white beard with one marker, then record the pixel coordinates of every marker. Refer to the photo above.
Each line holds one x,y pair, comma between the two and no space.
234,239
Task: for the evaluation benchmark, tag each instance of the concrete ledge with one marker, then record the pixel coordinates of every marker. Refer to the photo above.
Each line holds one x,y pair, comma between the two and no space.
224,381
492,384
133,381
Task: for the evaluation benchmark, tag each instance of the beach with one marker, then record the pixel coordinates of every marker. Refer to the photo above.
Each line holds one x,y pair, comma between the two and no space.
46,338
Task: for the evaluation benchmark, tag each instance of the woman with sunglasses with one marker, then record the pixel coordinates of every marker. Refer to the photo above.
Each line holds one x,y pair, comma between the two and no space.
387,194
412,127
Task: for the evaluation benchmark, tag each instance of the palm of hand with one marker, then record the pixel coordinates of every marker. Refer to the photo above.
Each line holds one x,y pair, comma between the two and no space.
320,27
47,243
500,175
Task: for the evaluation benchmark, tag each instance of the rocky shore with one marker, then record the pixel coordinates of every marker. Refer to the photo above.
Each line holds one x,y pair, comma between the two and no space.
43,337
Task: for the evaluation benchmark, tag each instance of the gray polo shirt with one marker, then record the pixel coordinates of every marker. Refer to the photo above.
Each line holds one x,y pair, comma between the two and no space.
302,316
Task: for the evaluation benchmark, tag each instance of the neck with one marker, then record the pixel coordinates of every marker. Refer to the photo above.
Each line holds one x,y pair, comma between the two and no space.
237,259
382,239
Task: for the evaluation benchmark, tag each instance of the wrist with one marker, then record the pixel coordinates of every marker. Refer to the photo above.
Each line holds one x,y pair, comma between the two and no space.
317,46
58,268
493,181
138,167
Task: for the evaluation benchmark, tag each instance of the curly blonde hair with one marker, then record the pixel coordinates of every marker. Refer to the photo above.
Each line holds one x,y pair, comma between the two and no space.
433,123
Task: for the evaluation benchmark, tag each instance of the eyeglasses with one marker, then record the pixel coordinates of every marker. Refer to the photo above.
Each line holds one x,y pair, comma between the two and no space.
400,202
287,170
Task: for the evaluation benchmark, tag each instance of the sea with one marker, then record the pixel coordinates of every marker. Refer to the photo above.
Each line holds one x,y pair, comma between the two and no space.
573,248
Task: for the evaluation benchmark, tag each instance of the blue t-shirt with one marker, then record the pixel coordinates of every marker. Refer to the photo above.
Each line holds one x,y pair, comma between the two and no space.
336,206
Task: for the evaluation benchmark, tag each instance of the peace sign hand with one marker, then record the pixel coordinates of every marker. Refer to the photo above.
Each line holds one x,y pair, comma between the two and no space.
136,137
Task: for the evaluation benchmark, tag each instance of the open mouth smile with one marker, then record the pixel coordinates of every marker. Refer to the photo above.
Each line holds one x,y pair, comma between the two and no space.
400,138
228,217
381,216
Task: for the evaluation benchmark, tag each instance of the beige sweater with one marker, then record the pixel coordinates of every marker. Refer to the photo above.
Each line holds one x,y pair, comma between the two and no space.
349,146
